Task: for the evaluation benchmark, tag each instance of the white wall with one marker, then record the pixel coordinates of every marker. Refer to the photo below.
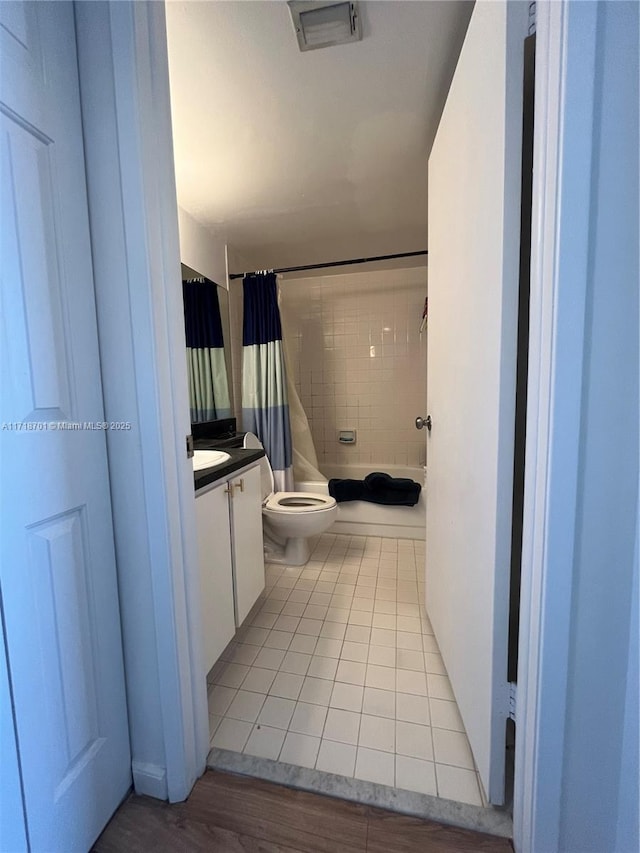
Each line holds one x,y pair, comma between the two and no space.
360,362
201,249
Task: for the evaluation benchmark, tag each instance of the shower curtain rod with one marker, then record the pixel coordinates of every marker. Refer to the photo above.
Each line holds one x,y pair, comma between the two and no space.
337,263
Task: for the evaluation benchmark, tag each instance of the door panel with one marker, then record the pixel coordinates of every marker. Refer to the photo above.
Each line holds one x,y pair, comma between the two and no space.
57,572
247,542
474,217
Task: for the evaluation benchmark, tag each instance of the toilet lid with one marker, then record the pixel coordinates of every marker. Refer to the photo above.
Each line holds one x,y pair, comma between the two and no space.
252,442
299,502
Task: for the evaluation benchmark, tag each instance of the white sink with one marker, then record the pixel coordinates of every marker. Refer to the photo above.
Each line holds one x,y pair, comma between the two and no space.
208,459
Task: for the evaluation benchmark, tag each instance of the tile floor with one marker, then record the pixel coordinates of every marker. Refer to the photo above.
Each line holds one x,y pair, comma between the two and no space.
337,669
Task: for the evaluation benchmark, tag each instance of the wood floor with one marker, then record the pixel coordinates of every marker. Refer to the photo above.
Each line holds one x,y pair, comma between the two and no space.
238,814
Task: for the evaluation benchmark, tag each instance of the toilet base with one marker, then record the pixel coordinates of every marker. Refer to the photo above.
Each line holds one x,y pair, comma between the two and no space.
294,552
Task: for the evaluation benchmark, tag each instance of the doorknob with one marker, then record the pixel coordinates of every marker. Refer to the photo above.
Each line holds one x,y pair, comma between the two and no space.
424,422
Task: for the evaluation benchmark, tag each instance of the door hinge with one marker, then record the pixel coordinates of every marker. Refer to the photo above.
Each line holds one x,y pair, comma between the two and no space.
189,446
532,17
512,699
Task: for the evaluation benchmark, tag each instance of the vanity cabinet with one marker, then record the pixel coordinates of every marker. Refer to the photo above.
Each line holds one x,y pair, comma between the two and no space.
230,556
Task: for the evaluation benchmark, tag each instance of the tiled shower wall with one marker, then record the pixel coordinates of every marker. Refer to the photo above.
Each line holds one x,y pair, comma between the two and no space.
360,362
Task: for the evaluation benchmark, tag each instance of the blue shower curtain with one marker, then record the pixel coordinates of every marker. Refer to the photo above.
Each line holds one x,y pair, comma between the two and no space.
265,405
208,385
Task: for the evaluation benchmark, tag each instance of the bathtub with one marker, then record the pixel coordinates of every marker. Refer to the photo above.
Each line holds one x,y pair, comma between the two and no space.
367,519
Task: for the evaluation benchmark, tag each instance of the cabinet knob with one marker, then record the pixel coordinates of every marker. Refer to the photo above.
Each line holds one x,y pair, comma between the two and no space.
240,485
229,490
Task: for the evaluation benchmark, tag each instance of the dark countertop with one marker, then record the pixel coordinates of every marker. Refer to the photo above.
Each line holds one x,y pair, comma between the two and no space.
239,458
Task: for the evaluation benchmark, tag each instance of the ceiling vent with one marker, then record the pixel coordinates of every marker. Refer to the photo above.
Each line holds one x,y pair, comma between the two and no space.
322,24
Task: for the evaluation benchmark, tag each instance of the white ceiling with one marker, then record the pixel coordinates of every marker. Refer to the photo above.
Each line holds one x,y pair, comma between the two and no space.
298,158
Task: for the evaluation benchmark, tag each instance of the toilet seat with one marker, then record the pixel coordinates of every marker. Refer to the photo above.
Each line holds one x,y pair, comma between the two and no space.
298,502
293,503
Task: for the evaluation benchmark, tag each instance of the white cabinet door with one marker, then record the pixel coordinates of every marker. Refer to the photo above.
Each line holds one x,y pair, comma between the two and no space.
57,565
474,236
216,574
248,548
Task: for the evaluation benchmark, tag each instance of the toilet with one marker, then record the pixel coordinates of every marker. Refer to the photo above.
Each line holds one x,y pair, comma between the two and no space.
290,518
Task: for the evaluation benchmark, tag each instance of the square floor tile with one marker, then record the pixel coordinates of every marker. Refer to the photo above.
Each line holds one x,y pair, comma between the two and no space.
278,640
362,602
333,630
321,667
316,690
342,726
452,748
259,680
410,624
354,651
407,640
276,712
412,708
342,601
311,627
214,722
385,594
286,623
456,783
377,733
379,703
272,606
439,687
414,740
383,637
231,734
381,606
303,643
269,658
429,644
246,706
296,662
220,698
445,715
299,749
328,648
346,696
286,685
382,677
338,614
351,672
360,617
265,742
315,611
409,681
434,664
232,675
357,634
264,620
410,659
293,608
244,654
254,636
406,609
308,719
375,766
414,774
384,620
382,656
339,758
300,596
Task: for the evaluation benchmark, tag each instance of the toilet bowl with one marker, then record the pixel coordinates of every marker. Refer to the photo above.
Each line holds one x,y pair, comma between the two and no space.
290,518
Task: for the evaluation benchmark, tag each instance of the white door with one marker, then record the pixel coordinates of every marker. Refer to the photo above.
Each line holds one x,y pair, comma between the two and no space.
216,572
474,221
57,571
246,541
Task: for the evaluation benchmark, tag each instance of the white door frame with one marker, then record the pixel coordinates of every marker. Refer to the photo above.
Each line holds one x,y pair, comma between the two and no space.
134,231
564,99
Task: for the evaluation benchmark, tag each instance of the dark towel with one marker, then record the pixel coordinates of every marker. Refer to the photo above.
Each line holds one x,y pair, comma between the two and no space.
378,488
347,490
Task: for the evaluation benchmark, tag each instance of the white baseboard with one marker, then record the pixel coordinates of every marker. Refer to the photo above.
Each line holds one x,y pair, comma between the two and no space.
150,780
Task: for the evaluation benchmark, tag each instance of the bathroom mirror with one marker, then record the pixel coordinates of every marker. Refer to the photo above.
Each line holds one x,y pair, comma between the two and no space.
206,312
